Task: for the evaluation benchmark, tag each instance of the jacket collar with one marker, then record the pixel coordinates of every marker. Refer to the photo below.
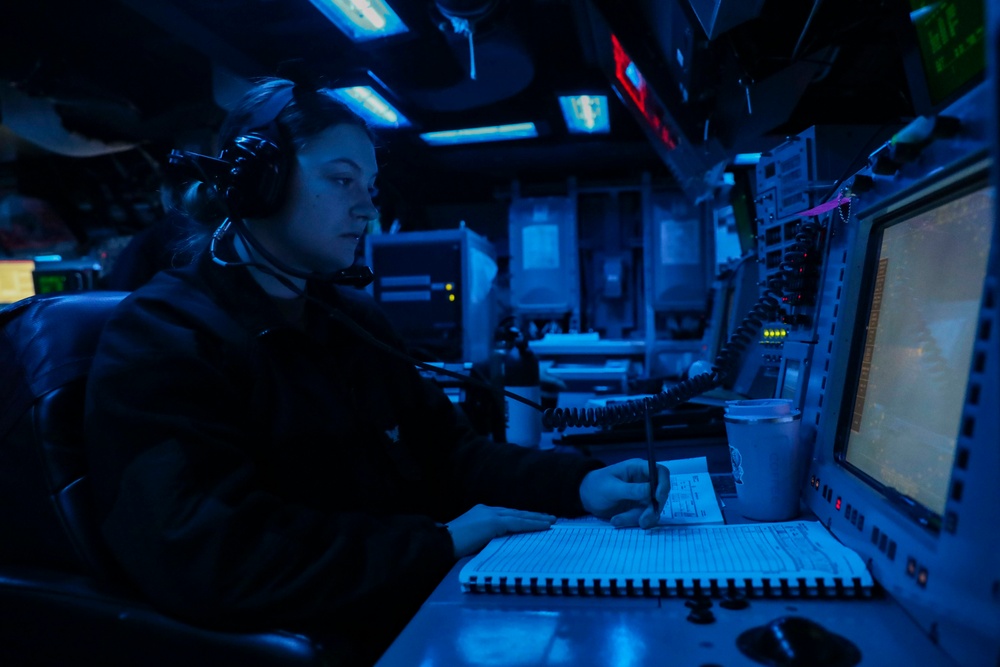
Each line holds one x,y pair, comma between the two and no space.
236,291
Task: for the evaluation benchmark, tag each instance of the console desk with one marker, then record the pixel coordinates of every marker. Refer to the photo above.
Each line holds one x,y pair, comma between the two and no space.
453,628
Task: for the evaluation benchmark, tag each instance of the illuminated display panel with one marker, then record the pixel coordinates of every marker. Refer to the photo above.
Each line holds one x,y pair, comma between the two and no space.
16,281
632,82
951,39
925,274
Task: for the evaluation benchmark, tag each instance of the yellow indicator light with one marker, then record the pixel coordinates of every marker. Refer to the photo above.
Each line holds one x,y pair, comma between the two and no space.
451,297
449,287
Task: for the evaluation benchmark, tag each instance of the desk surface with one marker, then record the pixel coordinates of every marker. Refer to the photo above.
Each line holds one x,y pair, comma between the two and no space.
480,630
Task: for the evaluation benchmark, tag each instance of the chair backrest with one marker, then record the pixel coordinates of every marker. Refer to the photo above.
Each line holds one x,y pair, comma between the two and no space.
46,347
47,527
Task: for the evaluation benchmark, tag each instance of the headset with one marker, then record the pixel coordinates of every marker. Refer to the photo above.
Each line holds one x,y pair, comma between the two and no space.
251,175
252,168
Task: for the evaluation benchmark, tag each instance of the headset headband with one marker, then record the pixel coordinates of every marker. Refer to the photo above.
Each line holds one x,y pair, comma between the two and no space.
268,112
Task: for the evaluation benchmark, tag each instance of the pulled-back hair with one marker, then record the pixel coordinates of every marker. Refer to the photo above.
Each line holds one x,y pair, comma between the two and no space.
307,114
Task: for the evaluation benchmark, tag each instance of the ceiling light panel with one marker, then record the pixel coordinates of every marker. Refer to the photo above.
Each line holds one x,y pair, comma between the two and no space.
362,20
481,134
586,114
371,106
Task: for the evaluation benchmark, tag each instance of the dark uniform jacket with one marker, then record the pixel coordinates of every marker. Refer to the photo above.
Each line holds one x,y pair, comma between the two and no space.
251,474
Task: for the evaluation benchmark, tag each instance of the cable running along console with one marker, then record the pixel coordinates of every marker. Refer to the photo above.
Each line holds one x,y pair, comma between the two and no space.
784,286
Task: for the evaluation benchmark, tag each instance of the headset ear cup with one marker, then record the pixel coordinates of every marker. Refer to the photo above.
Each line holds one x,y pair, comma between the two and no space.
258,168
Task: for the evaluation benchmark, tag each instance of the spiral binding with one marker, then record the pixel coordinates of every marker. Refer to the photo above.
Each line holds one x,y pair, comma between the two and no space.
800,587
779,288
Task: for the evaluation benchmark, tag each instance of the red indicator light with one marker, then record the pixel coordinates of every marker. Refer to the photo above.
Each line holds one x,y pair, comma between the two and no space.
638,91
837,504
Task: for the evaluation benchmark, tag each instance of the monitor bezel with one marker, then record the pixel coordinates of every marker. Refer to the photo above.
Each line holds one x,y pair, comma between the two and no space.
925,197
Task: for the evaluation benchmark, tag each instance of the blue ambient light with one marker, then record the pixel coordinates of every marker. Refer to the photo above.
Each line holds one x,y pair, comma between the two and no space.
362,20
633,75
371,106
480,134
742,159
586,114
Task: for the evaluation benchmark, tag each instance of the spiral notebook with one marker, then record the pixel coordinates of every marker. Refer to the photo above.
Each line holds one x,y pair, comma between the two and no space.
792,559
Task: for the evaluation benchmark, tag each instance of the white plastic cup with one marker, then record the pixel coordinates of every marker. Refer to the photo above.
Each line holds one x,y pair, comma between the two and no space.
767,457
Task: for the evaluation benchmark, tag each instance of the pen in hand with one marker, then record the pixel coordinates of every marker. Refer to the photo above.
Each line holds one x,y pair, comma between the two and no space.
651,457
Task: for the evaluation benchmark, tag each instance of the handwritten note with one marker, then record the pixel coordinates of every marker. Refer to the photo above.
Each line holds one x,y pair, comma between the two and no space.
692,497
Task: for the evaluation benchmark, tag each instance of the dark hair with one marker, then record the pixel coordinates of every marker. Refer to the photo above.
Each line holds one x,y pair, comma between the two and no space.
308,113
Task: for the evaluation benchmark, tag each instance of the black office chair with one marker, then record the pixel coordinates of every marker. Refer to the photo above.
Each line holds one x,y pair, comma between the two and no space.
61,599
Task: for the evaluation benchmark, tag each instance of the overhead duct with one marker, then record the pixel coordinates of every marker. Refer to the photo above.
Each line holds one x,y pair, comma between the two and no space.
465,17
490,51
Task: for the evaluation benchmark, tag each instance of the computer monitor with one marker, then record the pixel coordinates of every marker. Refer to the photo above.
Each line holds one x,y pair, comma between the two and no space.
902,391
16,280
436,287
54,274
903,397
944,48
922,288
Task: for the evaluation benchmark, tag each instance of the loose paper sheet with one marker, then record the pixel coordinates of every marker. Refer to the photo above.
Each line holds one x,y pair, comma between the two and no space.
692,497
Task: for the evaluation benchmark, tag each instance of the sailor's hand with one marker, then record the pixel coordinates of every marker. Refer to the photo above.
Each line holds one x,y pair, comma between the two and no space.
474,529
620,493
